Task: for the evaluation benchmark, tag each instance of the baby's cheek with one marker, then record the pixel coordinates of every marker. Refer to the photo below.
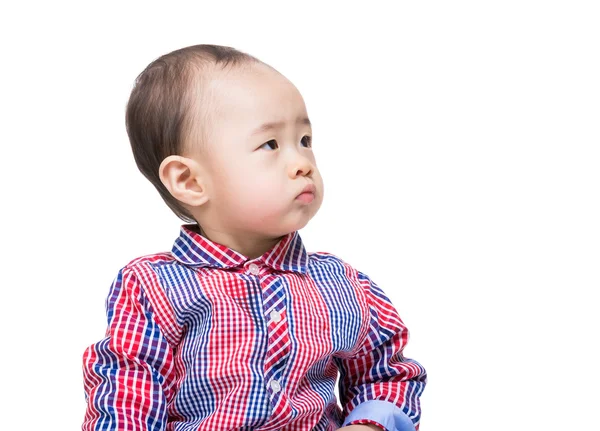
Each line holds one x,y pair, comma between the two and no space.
267,203
250,197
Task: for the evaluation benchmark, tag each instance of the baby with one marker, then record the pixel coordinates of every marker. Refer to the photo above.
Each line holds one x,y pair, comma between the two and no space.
238,327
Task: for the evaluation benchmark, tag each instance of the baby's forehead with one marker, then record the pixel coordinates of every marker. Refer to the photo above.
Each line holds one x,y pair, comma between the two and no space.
246,96
232,82
255,87
210,84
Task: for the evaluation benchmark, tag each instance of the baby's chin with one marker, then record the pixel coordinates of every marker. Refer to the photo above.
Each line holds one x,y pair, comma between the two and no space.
280,228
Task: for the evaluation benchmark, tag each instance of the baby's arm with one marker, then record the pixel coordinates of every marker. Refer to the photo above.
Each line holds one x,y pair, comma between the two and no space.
379,386
128,375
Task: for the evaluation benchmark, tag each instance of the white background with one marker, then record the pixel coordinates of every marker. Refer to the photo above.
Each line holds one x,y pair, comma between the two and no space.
459,144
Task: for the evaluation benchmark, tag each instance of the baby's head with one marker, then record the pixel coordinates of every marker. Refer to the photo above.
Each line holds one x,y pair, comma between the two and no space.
226,140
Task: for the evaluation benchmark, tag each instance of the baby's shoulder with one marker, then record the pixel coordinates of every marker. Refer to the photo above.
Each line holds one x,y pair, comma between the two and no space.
324,257
320,259
151,261
334,263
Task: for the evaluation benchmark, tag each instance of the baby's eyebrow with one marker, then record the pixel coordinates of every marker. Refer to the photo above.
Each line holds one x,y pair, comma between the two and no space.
278,125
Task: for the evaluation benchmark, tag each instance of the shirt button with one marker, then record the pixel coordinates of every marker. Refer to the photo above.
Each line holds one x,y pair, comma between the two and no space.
275,316
275,386
254,268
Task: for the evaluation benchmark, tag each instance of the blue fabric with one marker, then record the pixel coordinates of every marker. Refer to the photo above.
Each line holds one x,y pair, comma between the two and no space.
383,412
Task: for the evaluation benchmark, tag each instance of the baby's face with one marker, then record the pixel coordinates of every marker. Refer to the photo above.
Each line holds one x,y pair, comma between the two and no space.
261,154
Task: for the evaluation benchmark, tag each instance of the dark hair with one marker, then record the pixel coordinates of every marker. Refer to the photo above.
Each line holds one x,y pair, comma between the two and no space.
159,113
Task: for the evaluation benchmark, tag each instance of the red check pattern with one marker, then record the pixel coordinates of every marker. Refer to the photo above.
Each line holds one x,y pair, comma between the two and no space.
203,338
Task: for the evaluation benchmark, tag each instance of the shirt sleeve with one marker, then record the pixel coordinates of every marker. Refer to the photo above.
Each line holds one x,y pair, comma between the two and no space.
378,385
128,375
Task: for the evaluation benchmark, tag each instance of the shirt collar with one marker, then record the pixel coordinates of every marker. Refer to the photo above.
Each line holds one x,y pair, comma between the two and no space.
192,249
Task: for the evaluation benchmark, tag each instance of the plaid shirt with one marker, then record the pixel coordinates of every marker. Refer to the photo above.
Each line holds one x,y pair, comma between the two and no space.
203,338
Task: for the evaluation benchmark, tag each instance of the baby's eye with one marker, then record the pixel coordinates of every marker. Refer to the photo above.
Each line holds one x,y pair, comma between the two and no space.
270,143
307,140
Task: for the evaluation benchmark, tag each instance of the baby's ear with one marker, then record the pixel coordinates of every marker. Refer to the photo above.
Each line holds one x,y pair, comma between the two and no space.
184,180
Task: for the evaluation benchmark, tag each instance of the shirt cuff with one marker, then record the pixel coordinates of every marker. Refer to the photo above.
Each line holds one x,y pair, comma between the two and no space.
381,413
